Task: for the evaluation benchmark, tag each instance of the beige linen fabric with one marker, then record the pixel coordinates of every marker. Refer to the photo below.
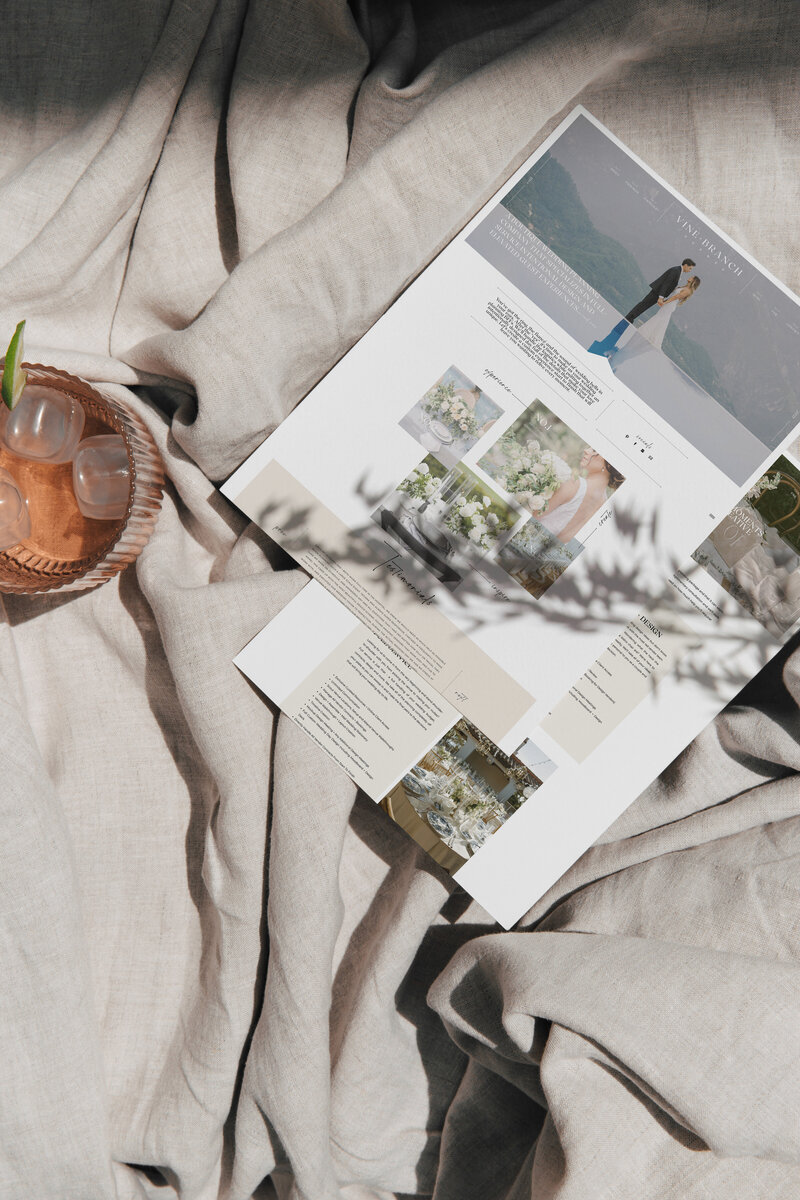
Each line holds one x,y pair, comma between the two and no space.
222,974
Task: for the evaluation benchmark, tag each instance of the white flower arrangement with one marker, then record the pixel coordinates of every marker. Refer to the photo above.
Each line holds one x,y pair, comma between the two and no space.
475,808
530,473
764,484
420,484
442,404
561,470
472,520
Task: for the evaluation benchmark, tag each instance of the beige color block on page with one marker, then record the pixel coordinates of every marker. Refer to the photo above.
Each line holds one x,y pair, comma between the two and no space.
373,716
395,610
736,534
608,691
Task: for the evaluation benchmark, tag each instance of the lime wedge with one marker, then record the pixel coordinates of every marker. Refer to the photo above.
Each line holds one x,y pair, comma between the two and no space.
14,378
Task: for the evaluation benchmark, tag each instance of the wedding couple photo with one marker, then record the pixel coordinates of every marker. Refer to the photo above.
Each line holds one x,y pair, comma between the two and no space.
452,416
462,791
710,343
672,289
547,469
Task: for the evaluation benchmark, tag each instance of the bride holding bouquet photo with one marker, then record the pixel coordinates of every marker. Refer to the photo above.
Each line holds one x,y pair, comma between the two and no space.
551,472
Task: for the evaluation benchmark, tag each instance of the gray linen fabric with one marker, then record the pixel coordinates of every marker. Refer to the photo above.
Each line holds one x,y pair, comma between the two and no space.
222,974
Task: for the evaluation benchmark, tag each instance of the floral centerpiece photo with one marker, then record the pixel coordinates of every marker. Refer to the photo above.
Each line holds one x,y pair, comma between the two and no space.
424,481
558,477
479,517
460,793
445,518
442,404
451,417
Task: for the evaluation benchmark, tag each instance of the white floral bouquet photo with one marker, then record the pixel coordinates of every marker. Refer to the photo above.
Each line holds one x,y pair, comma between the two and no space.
442,404
420,484
528,472
474,521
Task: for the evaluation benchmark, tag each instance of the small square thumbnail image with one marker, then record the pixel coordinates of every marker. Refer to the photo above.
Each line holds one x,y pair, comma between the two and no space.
536,558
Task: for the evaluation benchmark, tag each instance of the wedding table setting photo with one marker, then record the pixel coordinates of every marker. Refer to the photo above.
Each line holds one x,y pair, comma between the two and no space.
460,793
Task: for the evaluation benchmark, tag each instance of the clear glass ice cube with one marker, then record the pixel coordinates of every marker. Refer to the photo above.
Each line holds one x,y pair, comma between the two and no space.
15,521
46,425
101,477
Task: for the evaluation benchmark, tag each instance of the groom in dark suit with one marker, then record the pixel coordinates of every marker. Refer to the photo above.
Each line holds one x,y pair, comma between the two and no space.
663,286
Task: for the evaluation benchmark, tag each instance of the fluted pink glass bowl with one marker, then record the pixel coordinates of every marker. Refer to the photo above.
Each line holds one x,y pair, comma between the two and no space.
66,550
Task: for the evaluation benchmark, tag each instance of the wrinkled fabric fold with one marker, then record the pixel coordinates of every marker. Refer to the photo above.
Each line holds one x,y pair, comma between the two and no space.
225,975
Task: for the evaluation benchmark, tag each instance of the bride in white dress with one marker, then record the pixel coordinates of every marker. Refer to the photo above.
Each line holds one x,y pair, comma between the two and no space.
555,519
655,327
572,505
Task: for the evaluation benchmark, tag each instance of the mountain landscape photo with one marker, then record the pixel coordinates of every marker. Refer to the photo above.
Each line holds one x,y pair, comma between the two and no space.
618,227
548,203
